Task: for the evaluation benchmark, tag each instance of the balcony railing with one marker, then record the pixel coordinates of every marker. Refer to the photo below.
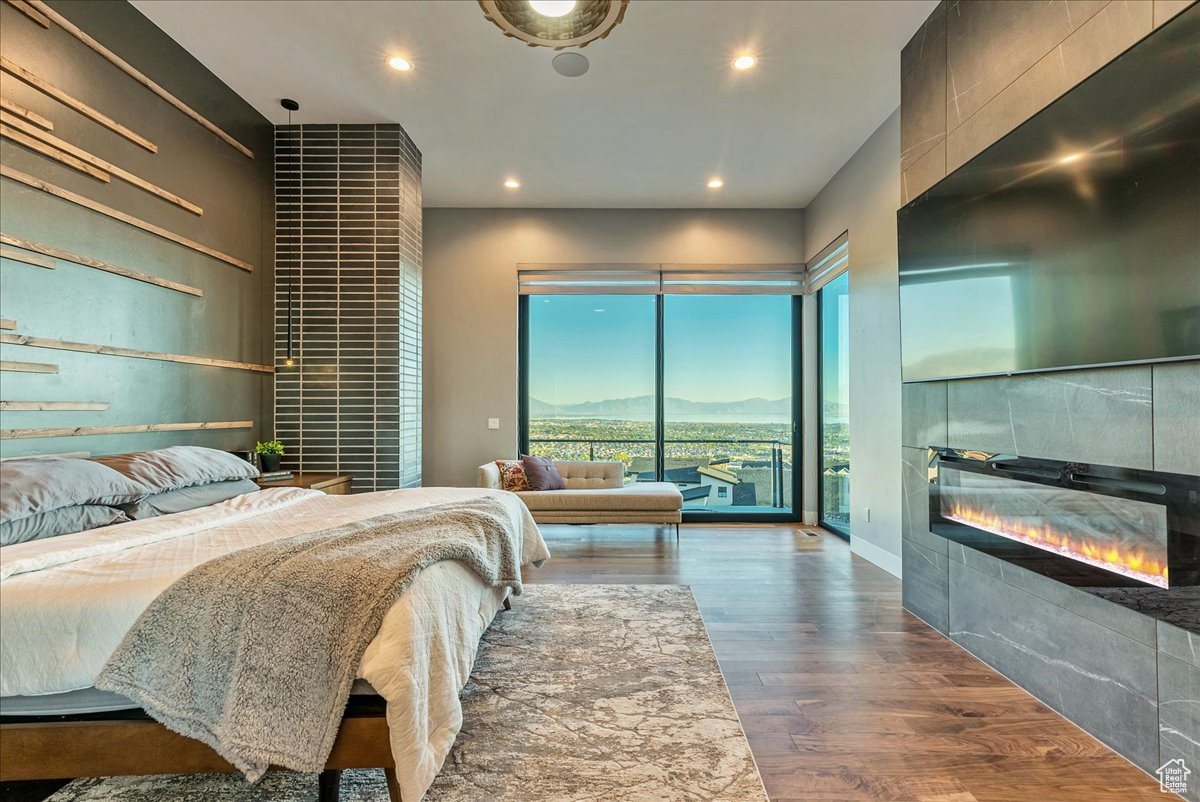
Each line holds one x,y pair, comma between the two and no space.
748,461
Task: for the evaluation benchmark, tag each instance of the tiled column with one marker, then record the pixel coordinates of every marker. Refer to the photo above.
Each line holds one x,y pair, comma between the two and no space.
348,250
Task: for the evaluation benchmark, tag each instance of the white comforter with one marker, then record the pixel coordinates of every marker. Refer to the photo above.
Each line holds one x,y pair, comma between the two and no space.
66,603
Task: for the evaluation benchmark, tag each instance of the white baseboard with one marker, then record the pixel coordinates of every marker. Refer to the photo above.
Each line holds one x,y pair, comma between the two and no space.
881,557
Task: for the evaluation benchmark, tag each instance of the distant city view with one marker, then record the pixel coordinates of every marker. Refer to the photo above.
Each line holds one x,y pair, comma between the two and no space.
730,453
727,394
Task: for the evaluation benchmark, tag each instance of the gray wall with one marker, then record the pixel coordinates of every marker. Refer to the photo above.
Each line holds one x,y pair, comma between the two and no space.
1122,676
470,280
232,320
861,199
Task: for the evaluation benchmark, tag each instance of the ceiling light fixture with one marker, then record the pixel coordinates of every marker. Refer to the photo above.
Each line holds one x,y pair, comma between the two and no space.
1072,157
552,8
289,359
400,64
551,23
715,183
512,183
744,62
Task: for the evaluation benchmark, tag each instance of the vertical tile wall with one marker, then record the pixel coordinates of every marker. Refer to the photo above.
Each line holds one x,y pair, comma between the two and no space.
348,249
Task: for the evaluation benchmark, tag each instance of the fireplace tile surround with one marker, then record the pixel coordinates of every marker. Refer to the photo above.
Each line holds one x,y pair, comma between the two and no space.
1025,624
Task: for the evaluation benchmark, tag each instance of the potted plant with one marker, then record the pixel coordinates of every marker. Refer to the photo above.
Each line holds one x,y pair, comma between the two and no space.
269,454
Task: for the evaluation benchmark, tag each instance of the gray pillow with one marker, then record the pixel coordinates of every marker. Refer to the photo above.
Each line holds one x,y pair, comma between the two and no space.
188,498
62,521
32,486
179,466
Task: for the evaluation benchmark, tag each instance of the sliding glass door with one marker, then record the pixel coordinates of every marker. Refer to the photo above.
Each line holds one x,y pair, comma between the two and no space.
591,378
833,303
694,388
728,401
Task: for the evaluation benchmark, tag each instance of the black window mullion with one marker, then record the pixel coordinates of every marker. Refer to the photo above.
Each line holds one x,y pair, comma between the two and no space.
659,401
523,374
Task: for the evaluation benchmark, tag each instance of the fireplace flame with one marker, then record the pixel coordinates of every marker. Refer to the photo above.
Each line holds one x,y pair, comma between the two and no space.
1132,562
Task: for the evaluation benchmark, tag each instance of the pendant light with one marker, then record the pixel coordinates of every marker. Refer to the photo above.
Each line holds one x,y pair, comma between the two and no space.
289,360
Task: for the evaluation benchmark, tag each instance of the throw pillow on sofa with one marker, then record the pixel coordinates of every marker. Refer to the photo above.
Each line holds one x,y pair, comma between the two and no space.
542,474
512,475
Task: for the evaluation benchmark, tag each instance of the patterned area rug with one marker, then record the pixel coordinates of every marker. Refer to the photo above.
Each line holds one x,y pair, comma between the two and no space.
580,692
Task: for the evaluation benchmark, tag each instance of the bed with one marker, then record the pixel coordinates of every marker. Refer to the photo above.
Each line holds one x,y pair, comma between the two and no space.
68,601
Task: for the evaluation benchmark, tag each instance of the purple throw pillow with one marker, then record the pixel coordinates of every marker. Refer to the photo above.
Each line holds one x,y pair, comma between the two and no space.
541,474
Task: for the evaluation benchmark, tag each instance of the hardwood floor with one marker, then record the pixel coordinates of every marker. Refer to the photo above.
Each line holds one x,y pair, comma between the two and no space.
843,695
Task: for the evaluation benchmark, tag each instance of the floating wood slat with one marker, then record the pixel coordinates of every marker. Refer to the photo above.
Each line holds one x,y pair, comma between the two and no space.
53,406
137,75
86,431
84,261
17,71
59,455
27,367
26,258
116,214
6,324
30,116
57,154
96,161
31,12
112,350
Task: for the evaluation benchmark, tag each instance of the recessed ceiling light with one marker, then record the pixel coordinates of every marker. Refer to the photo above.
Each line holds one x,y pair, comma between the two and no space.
512,183
552,8
744,62
401,64
1072,157
715,183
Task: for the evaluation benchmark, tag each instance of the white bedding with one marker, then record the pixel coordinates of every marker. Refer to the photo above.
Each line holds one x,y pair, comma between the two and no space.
66,603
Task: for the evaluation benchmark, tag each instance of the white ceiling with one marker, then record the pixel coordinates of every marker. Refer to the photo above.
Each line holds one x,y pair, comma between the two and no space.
659,112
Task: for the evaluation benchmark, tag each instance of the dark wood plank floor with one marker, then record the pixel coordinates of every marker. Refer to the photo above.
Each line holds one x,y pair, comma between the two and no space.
843,695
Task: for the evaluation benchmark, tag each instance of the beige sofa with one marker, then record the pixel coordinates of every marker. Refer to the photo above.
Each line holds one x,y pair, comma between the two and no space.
597,494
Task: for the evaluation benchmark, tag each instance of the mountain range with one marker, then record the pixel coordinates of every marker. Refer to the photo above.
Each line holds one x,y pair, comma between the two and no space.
643,404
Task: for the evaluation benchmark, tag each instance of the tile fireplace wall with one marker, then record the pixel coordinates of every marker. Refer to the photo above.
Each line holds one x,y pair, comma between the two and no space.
972,73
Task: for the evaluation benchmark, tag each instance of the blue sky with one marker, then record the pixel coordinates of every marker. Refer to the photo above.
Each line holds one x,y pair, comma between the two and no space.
717,347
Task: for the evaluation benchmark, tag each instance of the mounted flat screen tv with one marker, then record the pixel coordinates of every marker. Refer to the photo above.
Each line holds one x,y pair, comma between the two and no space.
1075,239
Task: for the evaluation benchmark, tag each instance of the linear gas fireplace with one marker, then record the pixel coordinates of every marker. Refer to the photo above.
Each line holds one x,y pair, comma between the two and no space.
1091,526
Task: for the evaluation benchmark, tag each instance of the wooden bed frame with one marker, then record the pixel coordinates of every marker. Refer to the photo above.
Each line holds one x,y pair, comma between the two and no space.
131,743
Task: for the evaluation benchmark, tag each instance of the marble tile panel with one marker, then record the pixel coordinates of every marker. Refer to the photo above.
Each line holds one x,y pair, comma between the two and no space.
923,414
1177,417
1098,415
924,585
1179,717
915,500
923,89
1116,27
1101,680
990,45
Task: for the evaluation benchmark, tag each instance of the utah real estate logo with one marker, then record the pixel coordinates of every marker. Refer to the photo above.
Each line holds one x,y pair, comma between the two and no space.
1172,777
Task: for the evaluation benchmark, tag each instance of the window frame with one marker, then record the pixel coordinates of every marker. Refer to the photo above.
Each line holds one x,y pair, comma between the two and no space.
792,515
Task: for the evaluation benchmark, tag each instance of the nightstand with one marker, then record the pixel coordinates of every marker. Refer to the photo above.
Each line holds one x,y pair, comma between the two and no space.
330,483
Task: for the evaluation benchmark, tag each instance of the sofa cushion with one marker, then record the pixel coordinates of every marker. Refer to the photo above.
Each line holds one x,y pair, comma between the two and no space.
541,474
512,475
637,496
585,475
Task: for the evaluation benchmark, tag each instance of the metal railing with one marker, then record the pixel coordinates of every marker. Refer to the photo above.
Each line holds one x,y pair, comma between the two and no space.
776,457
